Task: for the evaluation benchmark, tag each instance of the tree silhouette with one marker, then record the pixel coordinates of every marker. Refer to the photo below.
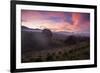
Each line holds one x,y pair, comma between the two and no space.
71,40
47,33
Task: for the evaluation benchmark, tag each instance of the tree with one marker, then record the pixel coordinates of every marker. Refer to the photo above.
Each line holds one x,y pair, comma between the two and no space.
47,33
48,36
71,40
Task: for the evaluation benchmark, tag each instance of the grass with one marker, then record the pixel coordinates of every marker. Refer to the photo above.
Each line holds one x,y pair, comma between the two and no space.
78,51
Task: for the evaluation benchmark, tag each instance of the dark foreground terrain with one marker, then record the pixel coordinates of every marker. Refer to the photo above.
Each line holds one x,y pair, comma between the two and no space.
43,45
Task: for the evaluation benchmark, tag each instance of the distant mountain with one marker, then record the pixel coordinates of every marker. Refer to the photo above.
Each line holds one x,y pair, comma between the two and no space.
35,38
73,33
56,35
24,28
59,35
38,39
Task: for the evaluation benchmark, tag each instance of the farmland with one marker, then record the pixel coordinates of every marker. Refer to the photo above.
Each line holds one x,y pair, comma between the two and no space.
53,46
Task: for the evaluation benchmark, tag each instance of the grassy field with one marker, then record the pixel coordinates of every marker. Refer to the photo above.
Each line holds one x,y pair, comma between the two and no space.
59,52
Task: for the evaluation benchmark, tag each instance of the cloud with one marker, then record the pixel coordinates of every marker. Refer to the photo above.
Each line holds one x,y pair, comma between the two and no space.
56,21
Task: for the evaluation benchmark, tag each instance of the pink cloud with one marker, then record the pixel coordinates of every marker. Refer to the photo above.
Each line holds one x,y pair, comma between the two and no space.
39,19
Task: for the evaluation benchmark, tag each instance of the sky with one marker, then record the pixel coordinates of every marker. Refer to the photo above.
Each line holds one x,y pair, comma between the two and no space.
56,21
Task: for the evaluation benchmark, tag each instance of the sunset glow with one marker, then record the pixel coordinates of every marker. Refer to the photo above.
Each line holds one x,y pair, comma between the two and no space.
56,21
